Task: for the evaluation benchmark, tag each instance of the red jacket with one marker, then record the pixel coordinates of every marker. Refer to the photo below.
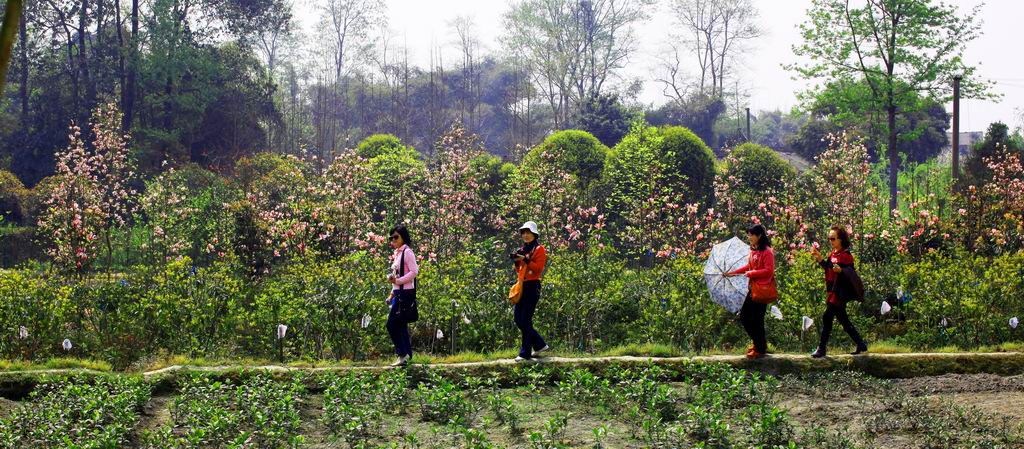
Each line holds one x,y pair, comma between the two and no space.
841,257
532,267
760,267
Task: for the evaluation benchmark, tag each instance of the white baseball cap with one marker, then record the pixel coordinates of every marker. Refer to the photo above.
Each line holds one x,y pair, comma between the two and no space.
531,226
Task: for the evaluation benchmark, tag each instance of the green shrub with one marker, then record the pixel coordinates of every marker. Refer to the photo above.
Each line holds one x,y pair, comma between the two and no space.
395,186
590,302
34,201
274,178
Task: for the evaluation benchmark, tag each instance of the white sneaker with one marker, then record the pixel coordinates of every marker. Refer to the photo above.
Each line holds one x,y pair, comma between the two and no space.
520,358
544,349
402,361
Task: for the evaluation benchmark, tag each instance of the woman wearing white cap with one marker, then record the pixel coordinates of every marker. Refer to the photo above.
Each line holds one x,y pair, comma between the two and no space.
529,263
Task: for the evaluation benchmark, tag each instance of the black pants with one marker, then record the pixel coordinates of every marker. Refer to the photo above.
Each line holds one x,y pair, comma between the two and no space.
523,314
752,317
398,328
837,312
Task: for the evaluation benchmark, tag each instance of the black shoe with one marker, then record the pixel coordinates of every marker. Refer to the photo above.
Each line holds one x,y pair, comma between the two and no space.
861,348
819,353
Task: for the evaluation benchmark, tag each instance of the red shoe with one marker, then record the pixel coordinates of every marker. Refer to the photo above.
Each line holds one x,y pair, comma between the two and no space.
755,355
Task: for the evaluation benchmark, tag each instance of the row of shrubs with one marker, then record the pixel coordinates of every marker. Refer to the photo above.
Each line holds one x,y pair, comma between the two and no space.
591,302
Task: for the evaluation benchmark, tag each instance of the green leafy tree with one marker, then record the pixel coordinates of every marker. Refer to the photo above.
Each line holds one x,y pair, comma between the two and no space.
752,181
605,117
697,113
998,135
897,49
809,141
492,173
273,178
848,107
395,174
379,144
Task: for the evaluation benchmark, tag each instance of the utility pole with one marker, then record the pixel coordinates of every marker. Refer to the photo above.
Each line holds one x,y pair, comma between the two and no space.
956,128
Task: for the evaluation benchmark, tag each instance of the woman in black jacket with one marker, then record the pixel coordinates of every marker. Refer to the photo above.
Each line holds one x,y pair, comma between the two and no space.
840,285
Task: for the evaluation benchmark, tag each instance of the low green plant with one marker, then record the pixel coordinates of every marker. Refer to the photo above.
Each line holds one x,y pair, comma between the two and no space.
209,413
708,426
580,386
769,426
504,410
550,437
443,402
600,433
77,412
350,408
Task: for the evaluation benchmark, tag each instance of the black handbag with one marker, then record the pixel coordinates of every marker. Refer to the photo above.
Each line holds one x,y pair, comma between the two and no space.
406,305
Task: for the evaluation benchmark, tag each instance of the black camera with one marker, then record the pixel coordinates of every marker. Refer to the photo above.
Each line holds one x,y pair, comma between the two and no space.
515,254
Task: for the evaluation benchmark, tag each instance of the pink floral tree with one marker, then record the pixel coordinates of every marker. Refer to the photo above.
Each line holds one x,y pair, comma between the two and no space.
584,230
549,196
990,216
339,211
840,186
667,226
452,197
781,211
187,212
92,197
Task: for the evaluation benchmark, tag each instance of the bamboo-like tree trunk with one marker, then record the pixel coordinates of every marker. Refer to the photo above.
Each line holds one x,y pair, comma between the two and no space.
12,15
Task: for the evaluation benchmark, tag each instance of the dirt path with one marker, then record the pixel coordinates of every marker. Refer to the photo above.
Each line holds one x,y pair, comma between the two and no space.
155,414
879,365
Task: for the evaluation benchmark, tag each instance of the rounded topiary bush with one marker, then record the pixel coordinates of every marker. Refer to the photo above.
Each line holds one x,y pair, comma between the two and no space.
380,144
34,201
273,176
760,168
12,197
689,163
394,173
576,152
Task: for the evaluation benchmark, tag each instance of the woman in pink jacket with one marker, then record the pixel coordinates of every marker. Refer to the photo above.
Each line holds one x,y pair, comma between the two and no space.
760,268
402,301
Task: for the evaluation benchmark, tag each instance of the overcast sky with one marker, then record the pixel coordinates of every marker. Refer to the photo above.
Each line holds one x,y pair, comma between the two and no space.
423,23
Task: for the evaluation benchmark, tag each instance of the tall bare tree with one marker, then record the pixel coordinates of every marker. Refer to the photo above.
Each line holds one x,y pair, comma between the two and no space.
348,26
464,28
715,33
572,47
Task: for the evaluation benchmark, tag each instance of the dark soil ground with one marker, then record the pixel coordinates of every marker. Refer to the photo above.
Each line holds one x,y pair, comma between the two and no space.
828,409
866,413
